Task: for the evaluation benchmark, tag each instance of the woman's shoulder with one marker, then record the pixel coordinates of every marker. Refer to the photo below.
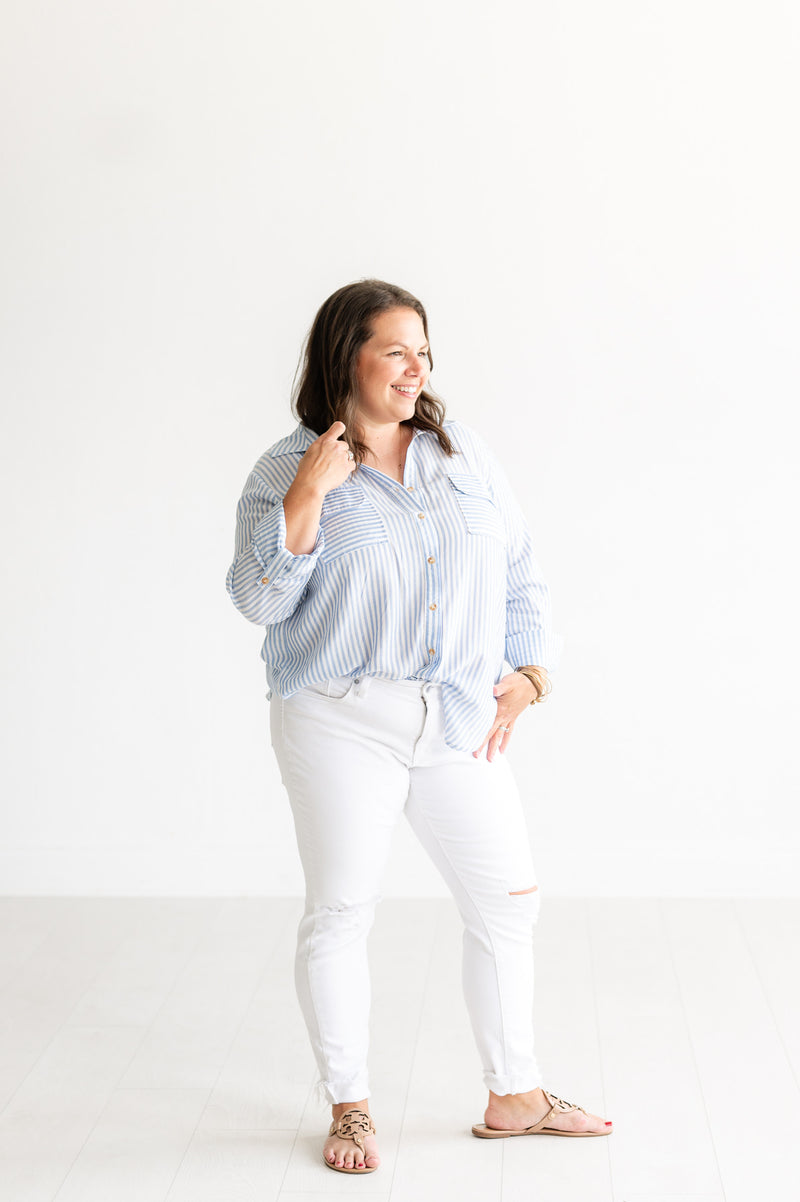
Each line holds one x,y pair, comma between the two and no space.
466,440
292,445
277,466
296,443
476,456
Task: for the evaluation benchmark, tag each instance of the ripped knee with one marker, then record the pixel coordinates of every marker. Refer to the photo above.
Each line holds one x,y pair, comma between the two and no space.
339,920
525,903
359,911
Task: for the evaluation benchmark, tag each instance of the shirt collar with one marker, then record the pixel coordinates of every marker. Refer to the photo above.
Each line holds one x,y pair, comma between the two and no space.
300,440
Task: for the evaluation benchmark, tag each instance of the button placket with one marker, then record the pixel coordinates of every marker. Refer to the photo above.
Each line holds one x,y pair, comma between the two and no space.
413,500
432,595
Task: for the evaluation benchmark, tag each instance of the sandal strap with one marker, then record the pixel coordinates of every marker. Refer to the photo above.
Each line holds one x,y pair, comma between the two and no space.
557,1104
354,1124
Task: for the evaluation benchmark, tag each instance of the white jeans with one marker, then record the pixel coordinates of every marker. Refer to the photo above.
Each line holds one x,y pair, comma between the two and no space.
354,755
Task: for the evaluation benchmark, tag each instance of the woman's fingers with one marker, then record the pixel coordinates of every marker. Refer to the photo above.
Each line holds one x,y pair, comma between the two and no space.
512,695
497,739
328,461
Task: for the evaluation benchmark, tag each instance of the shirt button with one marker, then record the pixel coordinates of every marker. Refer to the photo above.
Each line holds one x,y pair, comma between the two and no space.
420,515
431,559
431,651
431,607
265,579
409,487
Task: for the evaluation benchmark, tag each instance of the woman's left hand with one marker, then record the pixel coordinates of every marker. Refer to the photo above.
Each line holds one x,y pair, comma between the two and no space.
514,694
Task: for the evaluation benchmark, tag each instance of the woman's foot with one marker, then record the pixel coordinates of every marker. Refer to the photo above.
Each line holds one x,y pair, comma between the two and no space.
516,1111
345,1153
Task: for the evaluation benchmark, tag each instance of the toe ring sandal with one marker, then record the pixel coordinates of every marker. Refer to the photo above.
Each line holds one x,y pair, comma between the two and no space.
557,1106
354,1124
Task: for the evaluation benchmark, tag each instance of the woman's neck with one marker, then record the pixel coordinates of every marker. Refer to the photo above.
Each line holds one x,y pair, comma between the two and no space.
387,449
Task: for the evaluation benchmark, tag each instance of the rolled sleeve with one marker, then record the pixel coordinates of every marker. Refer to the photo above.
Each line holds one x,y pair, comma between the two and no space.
530,639
266,582
534,648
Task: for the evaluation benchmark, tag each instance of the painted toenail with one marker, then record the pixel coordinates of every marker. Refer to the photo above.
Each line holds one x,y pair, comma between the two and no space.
609,1124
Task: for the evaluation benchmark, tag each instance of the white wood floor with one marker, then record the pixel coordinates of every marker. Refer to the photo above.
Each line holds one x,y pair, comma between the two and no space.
152,1051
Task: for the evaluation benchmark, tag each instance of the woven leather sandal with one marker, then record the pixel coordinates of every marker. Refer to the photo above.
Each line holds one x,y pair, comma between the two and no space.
354,1124
558,1106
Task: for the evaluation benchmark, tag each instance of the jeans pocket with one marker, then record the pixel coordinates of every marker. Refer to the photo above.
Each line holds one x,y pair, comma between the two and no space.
335,689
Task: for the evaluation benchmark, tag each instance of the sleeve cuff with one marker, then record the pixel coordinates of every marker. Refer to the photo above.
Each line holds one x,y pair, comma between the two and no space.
535,648
279,564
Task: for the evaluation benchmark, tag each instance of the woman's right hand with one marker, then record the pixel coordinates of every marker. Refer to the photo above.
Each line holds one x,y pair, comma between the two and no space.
326,464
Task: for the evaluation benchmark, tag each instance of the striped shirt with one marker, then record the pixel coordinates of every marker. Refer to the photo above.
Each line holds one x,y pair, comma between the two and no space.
433,579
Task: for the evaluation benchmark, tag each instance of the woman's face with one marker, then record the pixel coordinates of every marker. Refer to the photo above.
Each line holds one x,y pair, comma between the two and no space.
392,368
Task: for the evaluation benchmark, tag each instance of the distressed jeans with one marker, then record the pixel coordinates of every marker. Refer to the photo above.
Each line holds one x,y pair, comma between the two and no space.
354,755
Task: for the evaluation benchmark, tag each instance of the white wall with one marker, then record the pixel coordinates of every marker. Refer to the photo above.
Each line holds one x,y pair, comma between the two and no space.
598,204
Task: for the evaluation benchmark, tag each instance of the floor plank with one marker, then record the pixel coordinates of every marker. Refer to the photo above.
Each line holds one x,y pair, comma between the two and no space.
750,1091
152,1050
38,999
135,1148
190,1038
771,931
239,1166
55,1109
662,1138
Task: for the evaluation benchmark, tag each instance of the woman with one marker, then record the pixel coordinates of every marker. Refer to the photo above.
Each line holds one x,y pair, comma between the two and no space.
381,548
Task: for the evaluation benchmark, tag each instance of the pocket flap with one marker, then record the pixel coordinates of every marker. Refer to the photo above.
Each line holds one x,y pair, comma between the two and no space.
344,497
473,486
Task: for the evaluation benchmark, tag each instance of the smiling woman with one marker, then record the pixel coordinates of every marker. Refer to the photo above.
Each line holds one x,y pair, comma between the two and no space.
384,553
367,346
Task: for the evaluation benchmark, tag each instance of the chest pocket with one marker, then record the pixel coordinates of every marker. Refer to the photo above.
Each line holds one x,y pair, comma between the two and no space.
349,522
481,515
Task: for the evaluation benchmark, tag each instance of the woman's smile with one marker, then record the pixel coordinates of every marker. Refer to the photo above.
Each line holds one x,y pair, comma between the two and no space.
397,344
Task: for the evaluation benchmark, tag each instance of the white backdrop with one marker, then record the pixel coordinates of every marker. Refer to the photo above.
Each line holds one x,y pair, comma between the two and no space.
598,205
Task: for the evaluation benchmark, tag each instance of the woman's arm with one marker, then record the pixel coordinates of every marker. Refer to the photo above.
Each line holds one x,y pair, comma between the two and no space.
278,540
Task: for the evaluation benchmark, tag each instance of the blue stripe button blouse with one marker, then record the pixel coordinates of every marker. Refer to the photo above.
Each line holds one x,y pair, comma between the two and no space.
433,579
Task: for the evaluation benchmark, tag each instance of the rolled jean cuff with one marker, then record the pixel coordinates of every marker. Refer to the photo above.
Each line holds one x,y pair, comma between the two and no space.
351,1090
514,1083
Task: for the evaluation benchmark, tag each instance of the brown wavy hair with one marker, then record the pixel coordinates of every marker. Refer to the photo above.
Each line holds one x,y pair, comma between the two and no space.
327,390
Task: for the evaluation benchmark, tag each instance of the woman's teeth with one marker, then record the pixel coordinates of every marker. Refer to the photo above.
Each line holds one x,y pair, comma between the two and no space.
405,391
